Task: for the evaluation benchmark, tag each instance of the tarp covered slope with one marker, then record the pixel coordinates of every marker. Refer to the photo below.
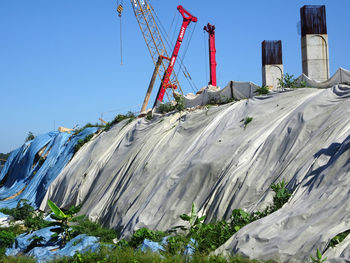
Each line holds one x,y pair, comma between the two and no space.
147,173
30,169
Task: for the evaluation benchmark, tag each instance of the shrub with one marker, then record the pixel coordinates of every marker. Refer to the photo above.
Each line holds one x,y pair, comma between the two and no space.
36,221
30,136
262,90
120,117
166,107
88,125
21,211
180,103
85,226
144,233
212,235
282,195
81,142
289,82
6,240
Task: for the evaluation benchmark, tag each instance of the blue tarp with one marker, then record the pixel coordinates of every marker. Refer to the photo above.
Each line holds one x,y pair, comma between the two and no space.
159,246
48,250
24,176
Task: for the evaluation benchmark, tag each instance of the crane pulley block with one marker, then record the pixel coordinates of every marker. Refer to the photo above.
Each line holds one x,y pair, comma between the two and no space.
120,10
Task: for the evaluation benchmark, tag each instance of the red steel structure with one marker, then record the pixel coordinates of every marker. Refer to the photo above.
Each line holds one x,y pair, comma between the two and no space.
212,61
187,19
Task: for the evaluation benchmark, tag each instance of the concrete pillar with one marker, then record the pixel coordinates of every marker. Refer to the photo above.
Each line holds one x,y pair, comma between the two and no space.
272,65
314,42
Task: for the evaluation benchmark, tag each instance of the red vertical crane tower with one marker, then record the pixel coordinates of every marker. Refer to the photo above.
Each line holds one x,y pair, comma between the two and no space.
187,19
212,61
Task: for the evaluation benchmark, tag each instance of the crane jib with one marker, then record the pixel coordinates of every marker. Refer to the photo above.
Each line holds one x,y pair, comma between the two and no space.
187,19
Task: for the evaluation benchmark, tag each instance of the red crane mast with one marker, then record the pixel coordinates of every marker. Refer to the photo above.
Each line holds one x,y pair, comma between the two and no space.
187,19
212,51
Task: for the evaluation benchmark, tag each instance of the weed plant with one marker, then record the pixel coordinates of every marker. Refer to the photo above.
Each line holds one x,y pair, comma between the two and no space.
168,107
120,117
318,258
263,90
289,82
246,121
212,235
85,226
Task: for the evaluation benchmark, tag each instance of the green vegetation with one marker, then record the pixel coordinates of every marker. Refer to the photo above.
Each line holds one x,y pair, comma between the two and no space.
246,121
24,211
143,233
128,254
262,90
81,142
63,221
69,225
4,156
203,237
120,117
318,258
85,226
167,107
21,211
289,82
88,125
30,136
338,238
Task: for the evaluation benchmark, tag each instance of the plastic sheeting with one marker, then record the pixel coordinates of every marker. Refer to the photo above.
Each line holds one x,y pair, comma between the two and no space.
26,176
341,76
147,173
211,95
48,251
243,90
158,247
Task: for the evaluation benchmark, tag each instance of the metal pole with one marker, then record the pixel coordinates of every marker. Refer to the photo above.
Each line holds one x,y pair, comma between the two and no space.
151,84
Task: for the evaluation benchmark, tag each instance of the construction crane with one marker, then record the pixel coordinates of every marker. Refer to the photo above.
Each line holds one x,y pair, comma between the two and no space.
212,61
144,15
165,84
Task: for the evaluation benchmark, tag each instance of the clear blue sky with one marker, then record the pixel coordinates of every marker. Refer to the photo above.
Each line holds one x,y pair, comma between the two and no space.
60,60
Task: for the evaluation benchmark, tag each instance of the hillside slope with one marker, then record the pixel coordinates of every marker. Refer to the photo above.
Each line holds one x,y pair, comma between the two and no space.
147,173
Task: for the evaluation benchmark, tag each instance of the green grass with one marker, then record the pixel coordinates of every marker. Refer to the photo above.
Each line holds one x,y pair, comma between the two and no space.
127,255
90,228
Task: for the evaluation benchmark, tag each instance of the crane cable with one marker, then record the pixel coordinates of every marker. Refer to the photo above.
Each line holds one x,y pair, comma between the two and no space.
120,10
184,69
